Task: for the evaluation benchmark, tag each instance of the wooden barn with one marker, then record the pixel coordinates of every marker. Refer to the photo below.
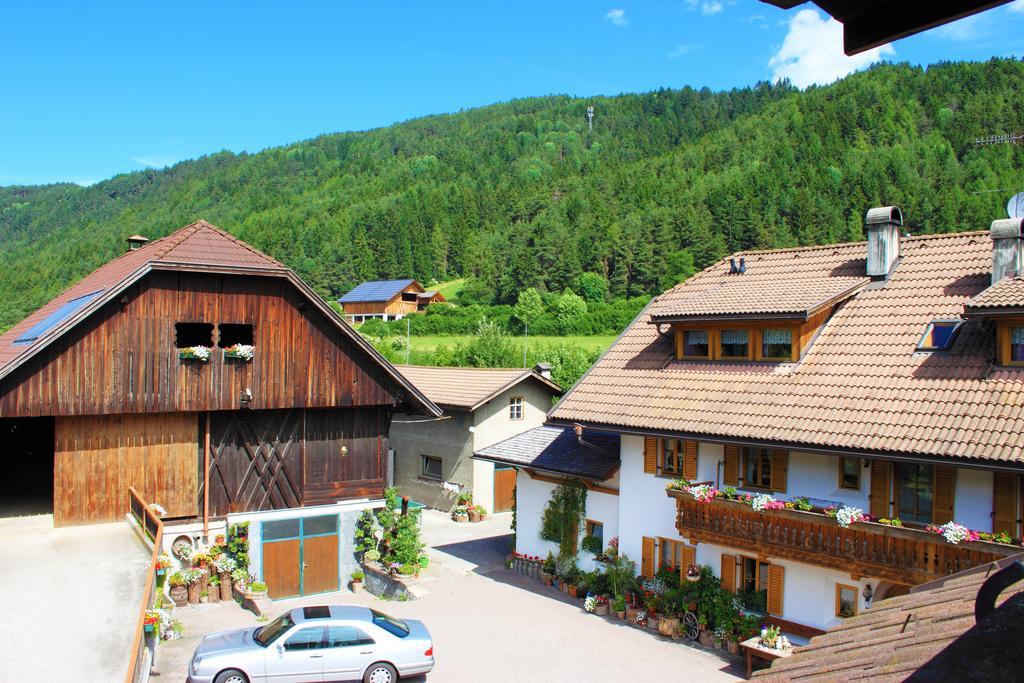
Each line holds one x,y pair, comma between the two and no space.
387,299
204,374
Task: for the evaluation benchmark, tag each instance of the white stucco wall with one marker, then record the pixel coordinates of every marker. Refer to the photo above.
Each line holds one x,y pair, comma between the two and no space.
531,498
644,507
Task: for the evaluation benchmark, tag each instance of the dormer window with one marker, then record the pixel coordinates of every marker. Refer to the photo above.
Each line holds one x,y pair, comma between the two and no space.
777,344
939,335
696,344
734,344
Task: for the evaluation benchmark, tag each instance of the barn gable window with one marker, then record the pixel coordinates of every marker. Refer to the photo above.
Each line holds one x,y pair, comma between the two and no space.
187,335
234,333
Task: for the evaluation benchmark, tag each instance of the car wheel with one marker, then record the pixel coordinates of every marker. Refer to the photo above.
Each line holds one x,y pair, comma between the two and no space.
381,672
231,676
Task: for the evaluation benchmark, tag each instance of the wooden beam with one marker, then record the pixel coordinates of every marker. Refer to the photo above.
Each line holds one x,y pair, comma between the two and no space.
590,486
206,480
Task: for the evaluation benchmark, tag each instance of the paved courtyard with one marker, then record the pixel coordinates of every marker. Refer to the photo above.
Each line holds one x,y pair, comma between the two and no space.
69,598
490,624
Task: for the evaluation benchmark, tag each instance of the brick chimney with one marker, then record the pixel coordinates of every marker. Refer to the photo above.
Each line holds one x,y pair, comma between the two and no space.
1006,248
883,225
136,241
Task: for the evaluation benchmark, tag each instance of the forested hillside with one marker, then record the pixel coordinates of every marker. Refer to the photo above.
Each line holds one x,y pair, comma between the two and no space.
519,194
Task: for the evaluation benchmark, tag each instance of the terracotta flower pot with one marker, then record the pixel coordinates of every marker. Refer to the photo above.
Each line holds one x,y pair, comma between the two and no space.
620,615
572,591
179,594
474,516
357,586
601,610
734,647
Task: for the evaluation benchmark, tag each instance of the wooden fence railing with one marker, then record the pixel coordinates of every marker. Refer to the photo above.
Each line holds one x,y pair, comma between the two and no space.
902,555
153,528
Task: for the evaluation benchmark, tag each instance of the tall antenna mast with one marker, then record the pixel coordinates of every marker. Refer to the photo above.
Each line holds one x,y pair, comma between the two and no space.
590,119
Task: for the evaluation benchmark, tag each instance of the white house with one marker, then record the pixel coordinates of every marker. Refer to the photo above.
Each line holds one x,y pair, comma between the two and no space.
433,457
885,377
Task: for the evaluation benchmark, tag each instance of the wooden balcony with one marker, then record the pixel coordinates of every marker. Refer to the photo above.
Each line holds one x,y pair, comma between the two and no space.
901,555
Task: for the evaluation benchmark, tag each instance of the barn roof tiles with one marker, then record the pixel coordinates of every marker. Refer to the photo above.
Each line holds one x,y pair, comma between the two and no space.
861,387
469,388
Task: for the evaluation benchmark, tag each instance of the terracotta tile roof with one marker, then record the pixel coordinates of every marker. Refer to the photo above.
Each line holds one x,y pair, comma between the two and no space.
468,388
1007,293
784,281
860,386
556,449
896,636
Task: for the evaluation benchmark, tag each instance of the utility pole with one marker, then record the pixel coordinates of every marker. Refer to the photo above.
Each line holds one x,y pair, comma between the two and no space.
526,340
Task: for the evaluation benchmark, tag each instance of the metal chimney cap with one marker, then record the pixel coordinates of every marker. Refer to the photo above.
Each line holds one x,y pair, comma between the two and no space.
1006,228
136,241
883,215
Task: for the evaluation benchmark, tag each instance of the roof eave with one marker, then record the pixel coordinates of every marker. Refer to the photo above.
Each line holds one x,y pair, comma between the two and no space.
528,374
532,466
993,311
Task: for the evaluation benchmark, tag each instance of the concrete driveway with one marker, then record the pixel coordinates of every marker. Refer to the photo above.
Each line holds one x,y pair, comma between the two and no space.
69,598
490,624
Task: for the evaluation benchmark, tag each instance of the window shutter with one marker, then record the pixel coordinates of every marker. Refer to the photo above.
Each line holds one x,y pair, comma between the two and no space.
780,469
690,460
1004,504
731,471
688,557
728,573
943,495
881,485
647,558
650,455
776,579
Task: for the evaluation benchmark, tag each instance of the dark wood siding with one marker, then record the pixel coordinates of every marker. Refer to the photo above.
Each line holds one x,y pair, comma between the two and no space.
123,359
329,475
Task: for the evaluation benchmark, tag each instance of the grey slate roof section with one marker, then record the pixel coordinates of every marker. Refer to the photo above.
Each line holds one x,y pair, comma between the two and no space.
556,449
375,290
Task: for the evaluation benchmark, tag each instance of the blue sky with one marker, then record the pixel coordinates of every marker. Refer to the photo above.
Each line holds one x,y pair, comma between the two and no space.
93,89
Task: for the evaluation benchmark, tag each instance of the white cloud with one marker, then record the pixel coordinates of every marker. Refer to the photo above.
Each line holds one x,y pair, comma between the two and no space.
964,30
617,17
1016,6
708,7
683,49
812,52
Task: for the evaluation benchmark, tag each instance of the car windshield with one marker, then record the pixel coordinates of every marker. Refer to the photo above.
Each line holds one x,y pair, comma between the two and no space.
265,635
395,627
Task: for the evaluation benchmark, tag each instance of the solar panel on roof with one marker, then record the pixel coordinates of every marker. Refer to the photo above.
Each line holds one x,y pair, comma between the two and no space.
65,311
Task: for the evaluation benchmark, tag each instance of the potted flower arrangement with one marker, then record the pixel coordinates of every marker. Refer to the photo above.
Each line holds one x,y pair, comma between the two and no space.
204,596
652,603
196,353
192,576
474,513
693,573
619,606
224,566
256,590
163,563
151,622
461,513
481,511
547,572
242,352
772,639
178,591
240,580
357,581
213,591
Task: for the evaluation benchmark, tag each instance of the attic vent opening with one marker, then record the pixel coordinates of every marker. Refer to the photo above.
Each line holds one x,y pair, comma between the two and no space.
939,335
234,333
187,335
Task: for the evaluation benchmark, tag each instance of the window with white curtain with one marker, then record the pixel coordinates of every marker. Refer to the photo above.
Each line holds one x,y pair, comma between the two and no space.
734,344
777,343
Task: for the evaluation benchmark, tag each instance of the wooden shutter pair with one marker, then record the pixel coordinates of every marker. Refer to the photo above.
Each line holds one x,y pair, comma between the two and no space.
647,557
776,582
690,460
728,573
780,468
881,487
652,464
1004,503
943,495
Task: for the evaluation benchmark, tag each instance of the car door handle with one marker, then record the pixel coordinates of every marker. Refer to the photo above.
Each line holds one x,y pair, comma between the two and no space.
315,656
366,652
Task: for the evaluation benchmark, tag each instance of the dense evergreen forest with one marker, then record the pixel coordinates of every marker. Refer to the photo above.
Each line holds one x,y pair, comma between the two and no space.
520,194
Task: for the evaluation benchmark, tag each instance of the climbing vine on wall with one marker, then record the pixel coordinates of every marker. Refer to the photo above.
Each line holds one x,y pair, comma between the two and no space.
563,516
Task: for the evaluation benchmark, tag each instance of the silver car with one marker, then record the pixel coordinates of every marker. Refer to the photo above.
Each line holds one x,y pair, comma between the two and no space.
327,643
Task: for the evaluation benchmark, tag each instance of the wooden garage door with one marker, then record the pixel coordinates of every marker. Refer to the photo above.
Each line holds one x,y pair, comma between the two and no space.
504,489
300,556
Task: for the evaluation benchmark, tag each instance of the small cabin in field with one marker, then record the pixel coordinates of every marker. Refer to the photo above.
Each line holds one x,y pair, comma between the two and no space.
387,299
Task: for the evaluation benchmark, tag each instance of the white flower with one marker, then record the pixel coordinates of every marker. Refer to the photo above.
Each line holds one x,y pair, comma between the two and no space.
590,603
200,352
954,533
760,501
847,516
157,509
243,351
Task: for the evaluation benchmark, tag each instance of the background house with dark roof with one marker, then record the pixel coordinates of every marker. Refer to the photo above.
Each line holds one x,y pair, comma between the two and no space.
216,383
387,300
482,406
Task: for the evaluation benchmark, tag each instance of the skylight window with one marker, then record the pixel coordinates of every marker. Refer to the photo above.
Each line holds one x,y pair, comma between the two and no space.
939,335
65,311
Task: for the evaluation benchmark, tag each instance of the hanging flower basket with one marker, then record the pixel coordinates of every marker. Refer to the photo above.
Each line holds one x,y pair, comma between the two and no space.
196,353
241,352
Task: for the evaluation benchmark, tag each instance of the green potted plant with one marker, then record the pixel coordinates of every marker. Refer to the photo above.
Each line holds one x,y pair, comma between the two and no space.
192,577
482,511
619,606
461,514
179,591
547,572
591,544
204,596
213,592
257,589
357,581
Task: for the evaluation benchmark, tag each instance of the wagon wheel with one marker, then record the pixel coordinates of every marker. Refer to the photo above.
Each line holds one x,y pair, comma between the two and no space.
690,626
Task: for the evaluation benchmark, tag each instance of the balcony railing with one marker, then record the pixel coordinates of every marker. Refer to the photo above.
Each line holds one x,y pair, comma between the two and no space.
153,528
901,555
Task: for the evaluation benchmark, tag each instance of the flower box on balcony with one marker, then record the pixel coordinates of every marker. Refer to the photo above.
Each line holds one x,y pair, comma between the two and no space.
240,352
200,354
